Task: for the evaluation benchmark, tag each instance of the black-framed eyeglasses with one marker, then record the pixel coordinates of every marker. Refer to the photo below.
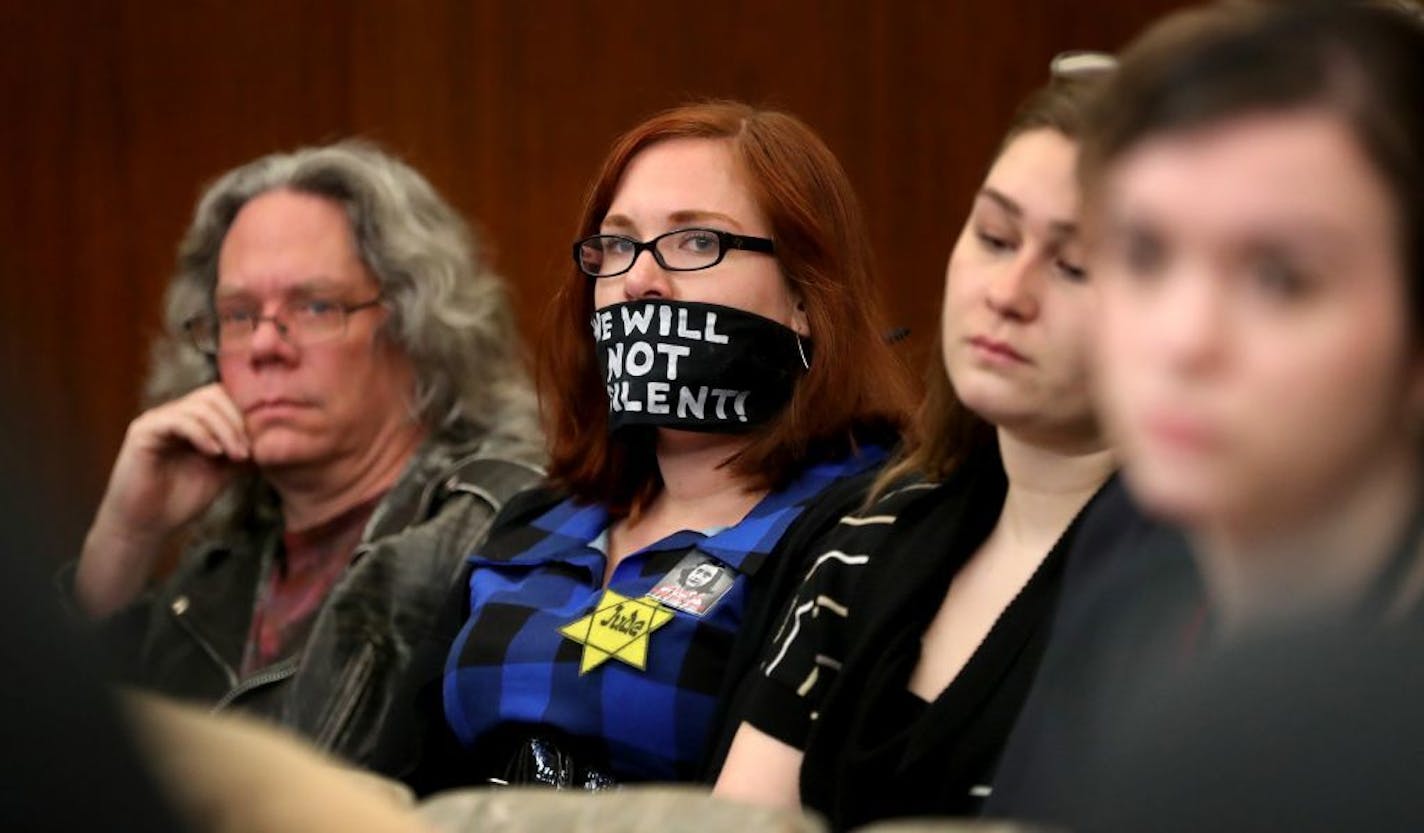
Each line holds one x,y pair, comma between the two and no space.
302,321
680,250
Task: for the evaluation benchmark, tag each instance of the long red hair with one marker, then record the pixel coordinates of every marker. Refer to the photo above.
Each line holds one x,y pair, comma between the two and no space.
856,387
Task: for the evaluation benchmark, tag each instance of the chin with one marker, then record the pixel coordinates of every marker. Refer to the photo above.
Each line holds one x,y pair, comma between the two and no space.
998,407
1176,493
279,449
1027,424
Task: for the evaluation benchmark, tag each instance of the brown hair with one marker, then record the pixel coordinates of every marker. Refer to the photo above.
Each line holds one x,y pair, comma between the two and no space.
1363,61
945,432
855,386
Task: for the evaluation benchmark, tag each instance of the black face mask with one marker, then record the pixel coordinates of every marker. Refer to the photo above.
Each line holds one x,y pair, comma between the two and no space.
697,367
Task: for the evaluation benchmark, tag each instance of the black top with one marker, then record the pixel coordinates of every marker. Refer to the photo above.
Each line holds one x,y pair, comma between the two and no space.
1134,656
1123,562
872,749
1312,730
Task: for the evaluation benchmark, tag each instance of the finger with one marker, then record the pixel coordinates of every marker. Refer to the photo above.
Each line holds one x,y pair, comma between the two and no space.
221,422
185,427
216,424
218,396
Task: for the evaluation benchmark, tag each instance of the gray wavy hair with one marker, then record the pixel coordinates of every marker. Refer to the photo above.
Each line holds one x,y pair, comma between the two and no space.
450,312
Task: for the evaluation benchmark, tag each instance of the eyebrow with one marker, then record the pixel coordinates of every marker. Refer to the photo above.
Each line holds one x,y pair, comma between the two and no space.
312,285
1003,202
1311,235
1059,228
676,218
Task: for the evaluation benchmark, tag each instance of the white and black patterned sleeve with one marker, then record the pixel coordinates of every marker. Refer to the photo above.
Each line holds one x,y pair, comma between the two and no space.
802,659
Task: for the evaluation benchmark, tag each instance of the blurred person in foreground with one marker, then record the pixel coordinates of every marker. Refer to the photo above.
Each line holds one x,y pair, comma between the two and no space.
1254,184
67,760
340,410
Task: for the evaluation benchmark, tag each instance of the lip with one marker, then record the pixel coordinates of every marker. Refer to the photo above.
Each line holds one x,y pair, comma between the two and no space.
267,406
998,352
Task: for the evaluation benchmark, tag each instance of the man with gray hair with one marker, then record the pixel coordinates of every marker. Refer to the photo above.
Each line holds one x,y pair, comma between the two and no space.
342,411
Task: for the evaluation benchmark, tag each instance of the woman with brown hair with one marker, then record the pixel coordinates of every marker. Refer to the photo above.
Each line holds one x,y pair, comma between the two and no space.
714,375
901,663
1254,188
1257,191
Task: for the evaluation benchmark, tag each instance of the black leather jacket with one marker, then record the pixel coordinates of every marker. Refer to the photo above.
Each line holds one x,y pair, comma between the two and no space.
344,688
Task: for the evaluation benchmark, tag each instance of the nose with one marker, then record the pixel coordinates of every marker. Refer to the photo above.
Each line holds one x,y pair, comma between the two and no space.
647,279
271,340
1188,321
1013,290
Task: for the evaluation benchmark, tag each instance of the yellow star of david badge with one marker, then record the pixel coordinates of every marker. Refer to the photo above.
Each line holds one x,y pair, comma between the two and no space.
617,627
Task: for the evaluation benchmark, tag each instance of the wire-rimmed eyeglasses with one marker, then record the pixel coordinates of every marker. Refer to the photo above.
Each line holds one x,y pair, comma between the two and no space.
304,321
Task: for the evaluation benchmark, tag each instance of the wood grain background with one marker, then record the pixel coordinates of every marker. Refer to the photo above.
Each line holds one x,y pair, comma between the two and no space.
116,113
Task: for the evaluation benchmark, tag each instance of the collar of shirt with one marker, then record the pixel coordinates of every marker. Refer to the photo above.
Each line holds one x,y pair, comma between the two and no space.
568,530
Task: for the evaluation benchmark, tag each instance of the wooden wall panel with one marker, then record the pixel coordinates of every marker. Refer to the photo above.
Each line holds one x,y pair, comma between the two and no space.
117,113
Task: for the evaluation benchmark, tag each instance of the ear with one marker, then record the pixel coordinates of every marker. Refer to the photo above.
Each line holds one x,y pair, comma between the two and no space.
799,322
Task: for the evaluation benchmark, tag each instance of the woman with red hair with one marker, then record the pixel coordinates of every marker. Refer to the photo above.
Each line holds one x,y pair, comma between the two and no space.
714,380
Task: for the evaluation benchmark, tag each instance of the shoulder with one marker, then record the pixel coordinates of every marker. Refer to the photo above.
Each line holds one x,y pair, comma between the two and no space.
528,506
496,480
844,485
446,500
836,538
484,467
899,495
838,555
514,530
486,459
863,526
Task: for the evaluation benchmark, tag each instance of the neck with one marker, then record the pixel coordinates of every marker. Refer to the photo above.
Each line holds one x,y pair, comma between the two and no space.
696,485
1319,559
313,495
1048,486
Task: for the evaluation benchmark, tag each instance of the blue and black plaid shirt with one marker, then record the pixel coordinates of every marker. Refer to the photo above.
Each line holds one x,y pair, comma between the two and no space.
511,666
